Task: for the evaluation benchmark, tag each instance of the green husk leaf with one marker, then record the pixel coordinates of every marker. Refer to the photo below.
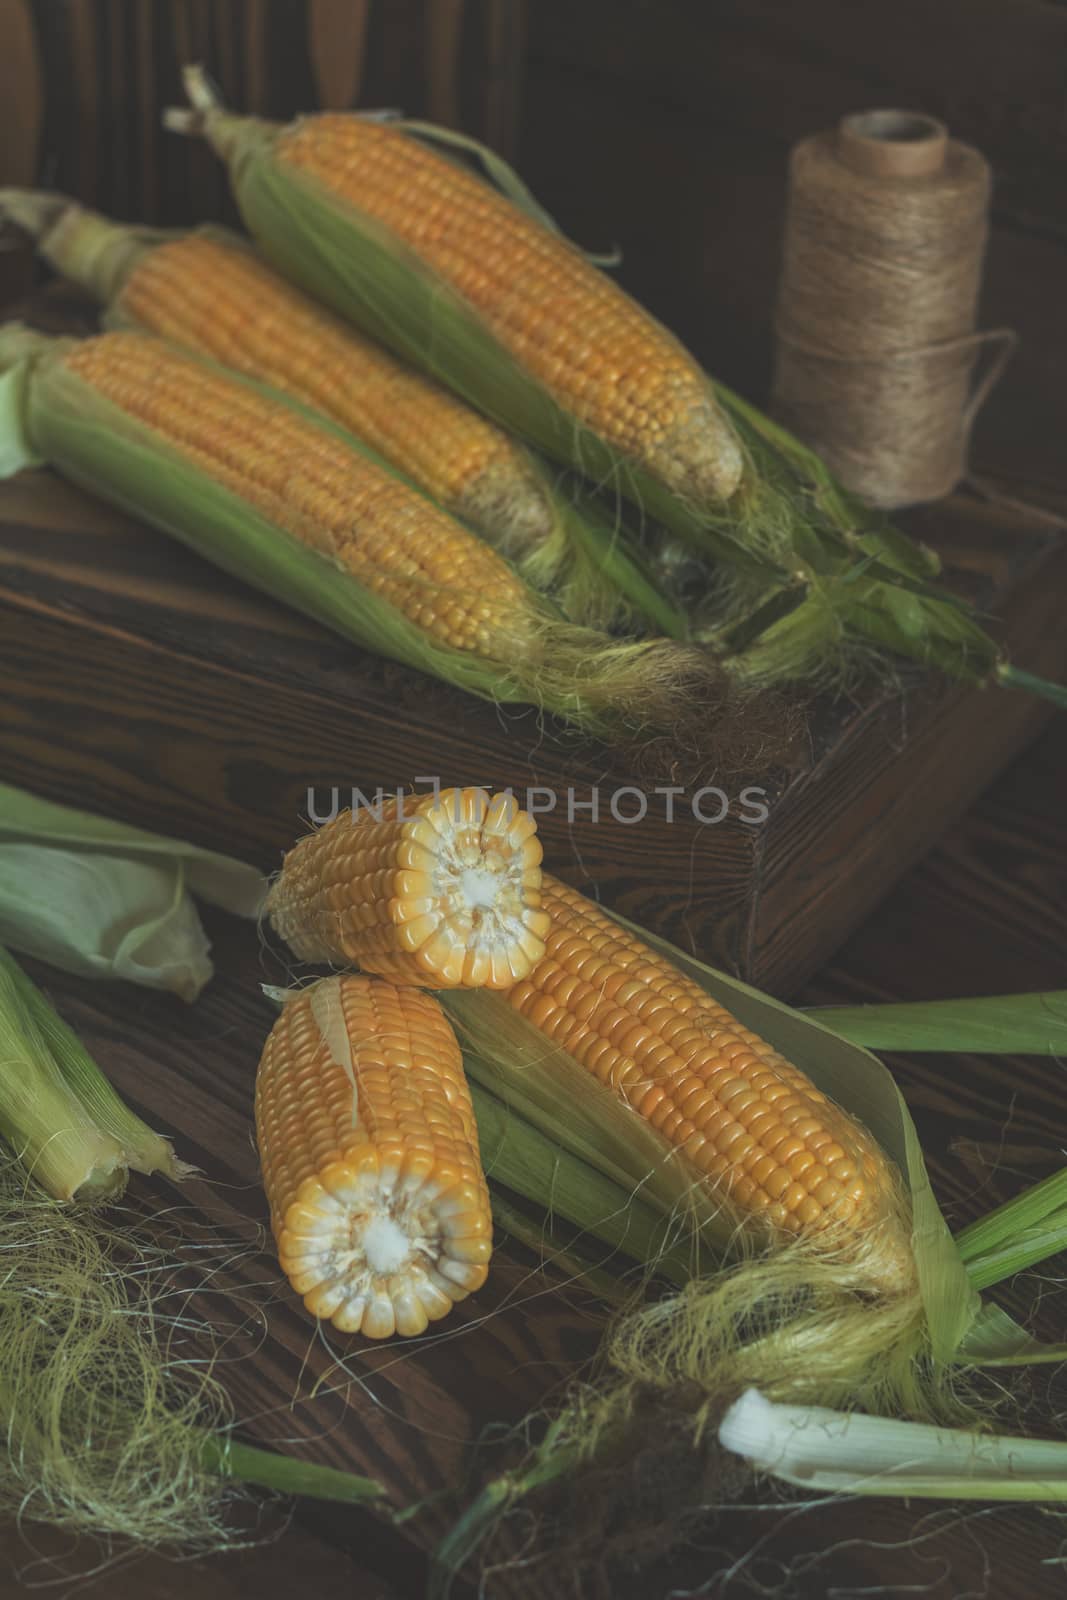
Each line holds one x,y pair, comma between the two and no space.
103,449
1011,1024
101,899
602,576
836,1452
501,175
226,1457
607,688
526,1158
67,1126
995,1339
512,1059
218,879
572,1258
1015,678
1022,1231
16,451
100,916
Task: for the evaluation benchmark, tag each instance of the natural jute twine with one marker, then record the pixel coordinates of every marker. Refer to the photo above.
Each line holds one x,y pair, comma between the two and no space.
877,349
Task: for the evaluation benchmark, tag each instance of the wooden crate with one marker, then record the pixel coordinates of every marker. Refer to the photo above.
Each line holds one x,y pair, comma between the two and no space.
141,682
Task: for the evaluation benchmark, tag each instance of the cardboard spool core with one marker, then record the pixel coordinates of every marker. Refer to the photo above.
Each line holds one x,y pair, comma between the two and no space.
892,144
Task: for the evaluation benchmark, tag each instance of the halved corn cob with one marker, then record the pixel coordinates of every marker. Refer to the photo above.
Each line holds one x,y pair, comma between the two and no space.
784,1157
441,890
612,372
317,519
370,1161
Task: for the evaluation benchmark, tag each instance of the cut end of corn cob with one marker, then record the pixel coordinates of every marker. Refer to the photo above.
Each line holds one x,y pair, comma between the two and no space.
439,890
370,1157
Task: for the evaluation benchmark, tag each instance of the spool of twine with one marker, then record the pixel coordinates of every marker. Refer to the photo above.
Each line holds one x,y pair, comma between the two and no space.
877,349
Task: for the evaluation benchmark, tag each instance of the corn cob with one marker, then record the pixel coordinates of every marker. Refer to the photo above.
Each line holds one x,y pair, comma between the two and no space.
293,506
313,485
369,1152
785,1159
613,374
439,890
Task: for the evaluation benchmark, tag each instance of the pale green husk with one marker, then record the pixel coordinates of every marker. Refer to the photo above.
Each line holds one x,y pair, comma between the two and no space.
1012,1024
100,916
1025,1230
523,1156
834,1452
101,899
16,451
220,880
71,1131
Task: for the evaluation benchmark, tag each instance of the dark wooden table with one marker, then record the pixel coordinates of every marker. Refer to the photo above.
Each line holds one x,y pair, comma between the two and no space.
985,912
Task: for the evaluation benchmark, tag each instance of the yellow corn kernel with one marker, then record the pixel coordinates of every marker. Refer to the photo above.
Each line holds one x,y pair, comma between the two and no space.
369,1151
441,890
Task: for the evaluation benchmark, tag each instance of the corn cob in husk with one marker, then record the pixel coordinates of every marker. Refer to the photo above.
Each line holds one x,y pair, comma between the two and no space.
372,218
521,321
290,504
209,291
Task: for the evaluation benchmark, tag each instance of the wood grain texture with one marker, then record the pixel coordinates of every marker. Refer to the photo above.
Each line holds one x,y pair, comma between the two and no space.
135,664
444,29
404,1413
21,111
20,96
338,36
